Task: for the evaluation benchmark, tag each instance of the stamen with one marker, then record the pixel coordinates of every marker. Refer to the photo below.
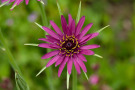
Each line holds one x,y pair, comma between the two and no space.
63,38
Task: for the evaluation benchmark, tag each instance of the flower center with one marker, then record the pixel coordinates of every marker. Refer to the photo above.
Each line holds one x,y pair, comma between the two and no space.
69,45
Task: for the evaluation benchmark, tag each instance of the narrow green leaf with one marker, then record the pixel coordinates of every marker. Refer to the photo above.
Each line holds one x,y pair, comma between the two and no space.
59,9
20,83
98,55
31,44
78,14
12,61
103,28
68,76
4,3
41,71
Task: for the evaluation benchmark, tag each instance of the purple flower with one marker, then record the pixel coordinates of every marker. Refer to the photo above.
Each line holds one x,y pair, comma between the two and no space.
69,44
94,79
16,2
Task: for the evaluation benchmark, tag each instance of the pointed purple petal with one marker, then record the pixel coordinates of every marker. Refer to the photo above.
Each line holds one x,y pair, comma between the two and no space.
46,45
46,40
72,30
26,1
59,61
62,66
81,57
50,54
77,67
52,39
69,20
63,23
49,31
79,25
86,52
82,65
56,28
53,60
69,65
90,46
88,37
85,30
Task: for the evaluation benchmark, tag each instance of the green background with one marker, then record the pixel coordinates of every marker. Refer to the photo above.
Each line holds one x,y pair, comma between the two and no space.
116,69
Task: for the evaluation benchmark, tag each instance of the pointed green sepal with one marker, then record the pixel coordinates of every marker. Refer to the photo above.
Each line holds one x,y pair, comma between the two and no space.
31,44
59,9
85,75
103,28
78,14
98,55
42,2
39,25
68,76
13,7
41,71
4,3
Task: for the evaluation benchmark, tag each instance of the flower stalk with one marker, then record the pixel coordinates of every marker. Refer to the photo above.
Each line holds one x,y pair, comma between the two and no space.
74,79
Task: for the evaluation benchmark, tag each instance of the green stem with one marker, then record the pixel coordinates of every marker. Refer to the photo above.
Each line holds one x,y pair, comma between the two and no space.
11,59
43,14
74,77
45,23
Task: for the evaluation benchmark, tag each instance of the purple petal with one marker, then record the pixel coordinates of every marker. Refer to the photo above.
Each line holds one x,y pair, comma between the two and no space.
88,37
53,60
59,61
26,1
90,46
64,24
56,28
85,30
82,65
62,66
81,57
77,67
72,30
46,40
86,52
69,65
69,20
46,45
50,54
52,39
79,25
49,31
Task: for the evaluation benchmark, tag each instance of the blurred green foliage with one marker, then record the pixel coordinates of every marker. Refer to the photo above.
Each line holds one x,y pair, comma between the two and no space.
117,68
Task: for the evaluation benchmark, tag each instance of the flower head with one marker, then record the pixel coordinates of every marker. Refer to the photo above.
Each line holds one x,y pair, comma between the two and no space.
69,44
16,2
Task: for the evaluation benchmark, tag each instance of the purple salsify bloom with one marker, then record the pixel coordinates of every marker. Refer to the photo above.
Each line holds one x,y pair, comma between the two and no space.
69,44
16,2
